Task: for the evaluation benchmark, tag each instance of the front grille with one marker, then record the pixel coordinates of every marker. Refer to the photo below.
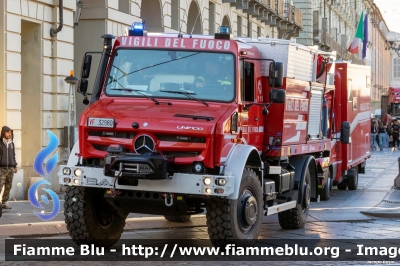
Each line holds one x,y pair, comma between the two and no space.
112,134
100,147
180,138
167,153
181,154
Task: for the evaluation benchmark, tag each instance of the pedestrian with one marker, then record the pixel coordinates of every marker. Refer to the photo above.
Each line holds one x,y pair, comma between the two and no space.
374,130
395,134
8,164
389,133
382,134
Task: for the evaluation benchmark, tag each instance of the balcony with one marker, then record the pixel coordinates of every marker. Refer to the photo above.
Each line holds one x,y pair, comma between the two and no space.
275,13
323,39
326,40
279,7
297,17
335,46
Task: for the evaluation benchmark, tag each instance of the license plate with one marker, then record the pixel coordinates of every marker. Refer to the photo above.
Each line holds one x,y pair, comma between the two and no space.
100,122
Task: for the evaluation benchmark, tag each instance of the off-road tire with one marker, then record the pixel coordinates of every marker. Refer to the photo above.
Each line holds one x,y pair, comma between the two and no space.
226,219
326,191
297,217
352,178
342,185
178,218
90,218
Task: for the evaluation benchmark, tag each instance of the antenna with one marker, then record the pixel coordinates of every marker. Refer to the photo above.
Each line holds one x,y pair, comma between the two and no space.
194,25
180,27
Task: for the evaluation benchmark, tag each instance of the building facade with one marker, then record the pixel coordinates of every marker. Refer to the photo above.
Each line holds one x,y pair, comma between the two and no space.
33,65
395,62
378,57
332,25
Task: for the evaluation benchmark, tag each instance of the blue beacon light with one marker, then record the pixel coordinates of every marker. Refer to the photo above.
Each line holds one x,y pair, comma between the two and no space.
137,29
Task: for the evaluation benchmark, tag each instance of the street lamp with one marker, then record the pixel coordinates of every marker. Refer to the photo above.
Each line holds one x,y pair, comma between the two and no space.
391,37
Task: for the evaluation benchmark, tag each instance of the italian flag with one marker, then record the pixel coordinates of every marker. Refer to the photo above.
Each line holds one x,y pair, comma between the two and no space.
358,39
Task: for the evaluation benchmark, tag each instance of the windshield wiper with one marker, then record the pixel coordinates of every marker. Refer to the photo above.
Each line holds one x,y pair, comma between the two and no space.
187,94
140,93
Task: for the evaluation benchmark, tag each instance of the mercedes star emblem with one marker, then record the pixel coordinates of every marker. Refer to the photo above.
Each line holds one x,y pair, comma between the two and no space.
144,144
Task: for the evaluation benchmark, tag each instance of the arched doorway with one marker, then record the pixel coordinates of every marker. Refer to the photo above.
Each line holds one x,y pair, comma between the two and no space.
151,14
193,24
226,22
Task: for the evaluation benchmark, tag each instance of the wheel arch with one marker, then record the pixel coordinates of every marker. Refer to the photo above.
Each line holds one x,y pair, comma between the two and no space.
241,157
301,164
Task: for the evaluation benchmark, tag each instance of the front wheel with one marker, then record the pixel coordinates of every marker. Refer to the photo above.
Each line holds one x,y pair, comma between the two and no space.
90,218
297,217
237,221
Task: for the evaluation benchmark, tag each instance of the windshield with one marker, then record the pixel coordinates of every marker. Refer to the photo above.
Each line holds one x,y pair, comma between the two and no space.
188,75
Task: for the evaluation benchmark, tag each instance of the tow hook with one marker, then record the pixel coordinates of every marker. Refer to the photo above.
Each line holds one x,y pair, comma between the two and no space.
169,200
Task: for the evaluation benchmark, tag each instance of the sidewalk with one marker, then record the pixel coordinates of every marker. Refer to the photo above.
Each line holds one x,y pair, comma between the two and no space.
389,207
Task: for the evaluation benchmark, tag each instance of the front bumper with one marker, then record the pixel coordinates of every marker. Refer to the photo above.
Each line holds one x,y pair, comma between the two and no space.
191,184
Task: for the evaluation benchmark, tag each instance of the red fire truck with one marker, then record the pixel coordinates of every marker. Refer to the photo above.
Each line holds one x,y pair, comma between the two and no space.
392,107
351,103
177,125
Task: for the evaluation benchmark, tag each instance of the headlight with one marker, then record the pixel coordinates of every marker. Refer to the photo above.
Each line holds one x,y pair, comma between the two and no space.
78,172
66,171
207,181
220,181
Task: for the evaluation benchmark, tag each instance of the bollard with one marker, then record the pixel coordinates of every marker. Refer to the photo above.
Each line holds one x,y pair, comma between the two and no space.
397,179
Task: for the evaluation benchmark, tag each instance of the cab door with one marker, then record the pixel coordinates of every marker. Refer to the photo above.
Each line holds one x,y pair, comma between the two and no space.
250,113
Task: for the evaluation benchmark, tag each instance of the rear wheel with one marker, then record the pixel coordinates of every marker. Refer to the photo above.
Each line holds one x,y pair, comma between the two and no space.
342,185
352,178
326,191
178,218
237,221
297,217
90,218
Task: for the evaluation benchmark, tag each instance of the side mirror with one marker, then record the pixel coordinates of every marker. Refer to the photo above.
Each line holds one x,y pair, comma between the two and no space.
275,74
278,74
277,96
271,74
87,62
345,132
83,84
